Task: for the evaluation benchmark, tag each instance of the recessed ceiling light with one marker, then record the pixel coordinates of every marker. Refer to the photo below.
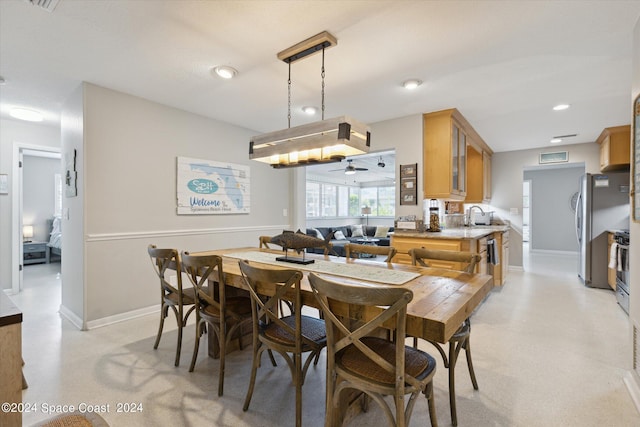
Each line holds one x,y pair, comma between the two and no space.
555,140
309,110
411,84
561,107
225,71
24,114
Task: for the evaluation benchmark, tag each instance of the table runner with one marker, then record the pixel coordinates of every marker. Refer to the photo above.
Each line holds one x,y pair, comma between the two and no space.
355,271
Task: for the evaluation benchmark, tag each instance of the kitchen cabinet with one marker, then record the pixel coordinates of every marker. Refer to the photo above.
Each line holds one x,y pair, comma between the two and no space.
611,272
445,158
486,176
478,176
615,143
403,244
447,136
501,269
10,361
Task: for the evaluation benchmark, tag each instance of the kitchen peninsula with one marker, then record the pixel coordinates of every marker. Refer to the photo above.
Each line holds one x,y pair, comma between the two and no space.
469,239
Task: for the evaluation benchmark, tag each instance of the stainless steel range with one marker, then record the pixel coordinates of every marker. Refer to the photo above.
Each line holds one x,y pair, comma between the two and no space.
622,271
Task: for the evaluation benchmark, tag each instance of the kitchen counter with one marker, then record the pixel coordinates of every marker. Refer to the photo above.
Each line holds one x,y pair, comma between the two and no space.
455,233
10,360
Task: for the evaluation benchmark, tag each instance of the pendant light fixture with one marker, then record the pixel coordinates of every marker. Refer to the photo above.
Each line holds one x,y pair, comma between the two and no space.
325,141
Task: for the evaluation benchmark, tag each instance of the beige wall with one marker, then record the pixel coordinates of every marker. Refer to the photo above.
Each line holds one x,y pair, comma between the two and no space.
127,149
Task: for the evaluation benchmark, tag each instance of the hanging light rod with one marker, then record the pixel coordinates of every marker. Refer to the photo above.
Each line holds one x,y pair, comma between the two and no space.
325,141
314,44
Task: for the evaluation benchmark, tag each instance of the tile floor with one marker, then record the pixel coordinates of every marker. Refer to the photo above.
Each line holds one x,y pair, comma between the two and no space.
547,352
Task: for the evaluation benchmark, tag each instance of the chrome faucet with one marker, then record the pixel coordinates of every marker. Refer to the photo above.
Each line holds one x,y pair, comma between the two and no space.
470,211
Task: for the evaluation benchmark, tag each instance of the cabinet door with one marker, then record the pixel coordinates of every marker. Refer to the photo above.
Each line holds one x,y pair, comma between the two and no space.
462,163
486,176
604,153
611,272
455,158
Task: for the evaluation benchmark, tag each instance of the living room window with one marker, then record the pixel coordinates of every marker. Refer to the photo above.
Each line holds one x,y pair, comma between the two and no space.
331,200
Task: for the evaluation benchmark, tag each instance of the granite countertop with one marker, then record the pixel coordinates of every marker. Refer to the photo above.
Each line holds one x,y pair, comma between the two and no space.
9,313
455,233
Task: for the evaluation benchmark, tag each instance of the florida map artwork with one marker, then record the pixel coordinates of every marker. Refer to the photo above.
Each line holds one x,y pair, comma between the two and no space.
210,187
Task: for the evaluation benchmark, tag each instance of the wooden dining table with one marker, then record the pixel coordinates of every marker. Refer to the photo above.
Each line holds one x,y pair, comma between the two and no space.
442,299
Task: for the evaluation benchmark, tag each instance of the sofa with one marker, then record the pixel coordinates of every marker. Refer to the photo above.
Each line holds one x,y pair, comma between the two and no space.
351,235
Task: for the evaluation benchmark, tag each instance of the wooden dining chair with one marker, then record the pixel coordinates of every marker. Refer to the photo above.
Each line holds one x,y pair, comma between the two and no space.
225,315
461,338
376,366
352,250
290,335
264,242
176,298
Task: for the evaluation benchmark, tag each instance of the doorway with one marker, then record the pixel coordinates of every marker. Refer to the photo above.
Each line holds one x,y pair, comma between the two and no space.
548,212
37,227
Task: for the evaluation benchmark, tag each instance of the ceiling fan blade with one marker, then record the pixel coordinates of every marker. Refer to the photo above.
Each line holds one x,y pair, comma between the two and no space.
361,169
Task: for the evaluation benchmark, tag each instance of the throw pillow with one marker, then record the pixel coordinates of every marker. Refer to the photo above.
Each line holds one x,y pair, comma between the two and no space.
339,235
381,232
318,233
356,230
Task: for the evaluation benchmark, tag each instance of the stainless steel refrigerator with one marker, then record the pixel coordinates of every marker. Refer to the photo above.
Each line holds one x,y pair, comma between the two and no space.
602,205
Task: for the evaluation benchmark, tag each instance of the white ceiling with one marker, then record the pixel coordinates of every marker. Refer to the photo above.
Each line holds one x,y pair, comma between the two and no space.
503,64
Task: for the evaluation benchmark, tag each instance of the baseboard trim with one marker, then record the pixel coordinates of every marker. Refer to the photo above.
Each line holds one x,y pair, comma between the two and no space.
117,318
633,388
9,292
515,268
71,317
99,237
552,252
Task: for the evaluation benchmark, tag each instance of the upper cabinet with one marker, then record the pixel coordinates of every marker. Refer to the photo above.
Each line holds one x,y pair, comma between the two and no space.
449,171
478,175
615,143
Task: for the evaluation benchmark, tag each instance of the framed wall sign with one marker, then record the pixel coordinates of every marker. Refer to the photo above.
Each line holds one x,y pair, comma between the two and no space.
211,187
635,162
555,157
409,184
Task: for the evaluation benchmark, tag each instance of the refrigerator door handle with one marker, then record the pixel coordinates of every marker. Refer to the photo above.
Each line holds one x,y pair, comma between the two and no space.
577,217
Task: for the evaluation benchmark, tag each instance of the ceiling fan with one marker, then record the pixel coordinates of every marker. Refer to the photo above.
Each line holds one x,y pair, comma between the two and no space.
350,169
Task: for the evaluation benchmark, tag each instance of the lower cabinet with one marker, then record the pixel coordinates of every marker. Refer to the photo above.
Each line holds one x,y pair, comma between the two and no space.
502,267
404,243
611,272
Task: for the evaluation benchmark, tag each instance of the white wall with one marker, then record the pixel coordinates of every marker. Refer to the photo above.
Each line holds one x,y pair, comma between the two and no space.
634,312
73,304
405,136
127,193
506,184
552,225
38,189
11,133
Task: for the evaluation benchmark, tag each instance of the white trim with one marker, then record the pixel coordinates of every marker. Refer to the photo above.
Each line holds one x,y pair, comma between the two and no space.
117,318
633,388
71,317
16,210
8,292
552,252
98,237
515,268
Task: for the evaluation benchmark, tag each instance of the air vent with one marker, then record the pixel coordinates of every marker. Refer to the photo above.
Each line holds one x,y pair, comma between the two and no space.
47,5
566,136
